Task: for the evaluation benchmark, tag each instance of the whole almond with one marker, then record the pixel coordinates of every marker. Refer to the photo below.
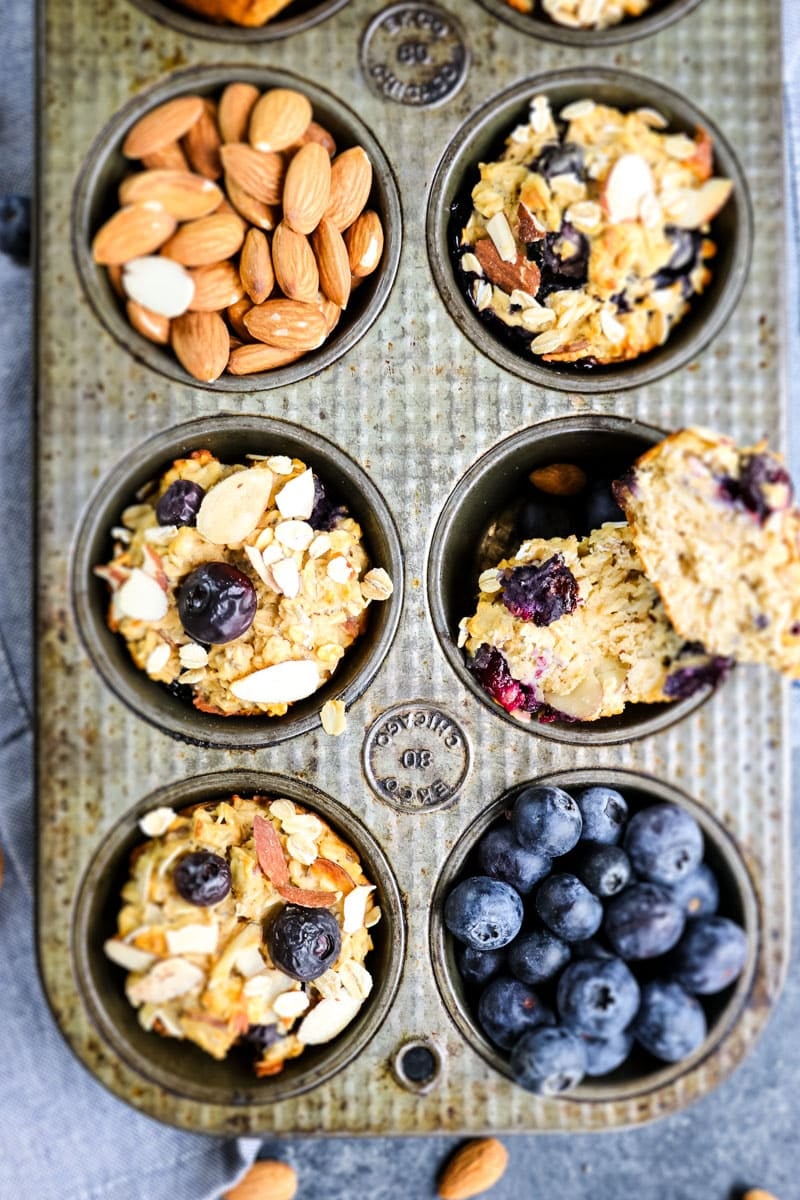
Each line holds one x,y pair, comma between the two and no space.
255,266
307,188
280,117
159,284
181,193
758,1194
202,143
266,1180
168,158
294,265
206,240
330,311
115,278
256,357
132,232
235,313
332,261
216,286
233,113
149,324
287,324
261,174
166,123
202,344
263,216
559,479
316,133
474,1168
351,183
364,241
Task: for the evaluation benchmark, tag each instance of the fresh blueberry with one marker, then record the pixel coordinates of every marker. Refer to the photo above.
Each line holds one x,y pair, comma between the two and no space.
537,956
568,908
542,593
664,843
670,1024
643,921
261,1037
546,819
687,245
507,1008
485,913
761,479
604,814
477,967
684,682
597,996
502,857
326,512
15,227
202,878
559,158
697,894
589,948
542,516
548,1061
604,1055
600,505
304,942
605,870
216,603
710,955
180,503
491,671
563,259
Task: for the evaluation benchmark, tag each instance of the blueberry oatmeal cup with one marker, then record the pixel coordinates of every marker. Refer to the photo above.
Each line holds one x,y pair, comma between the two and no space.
586,240
245,921
585,14
240,587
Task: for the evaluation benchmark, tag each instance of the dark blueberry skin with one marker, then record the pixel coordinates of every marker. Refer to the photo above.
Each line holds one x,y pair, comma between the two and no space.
507,1008
604,1055
180,503
304,942
502,857
604,814
698,893
670,1024
709,956
548,1061
261,1037
605,870
763,486
563,259
15,227
643,922
597,996
664,843
543,593
202,878
216,603
542,516
547,820
568,908
600,505
559,158
589,948
685,256
538,956
684,682
491,671
483,913
326,511
477,967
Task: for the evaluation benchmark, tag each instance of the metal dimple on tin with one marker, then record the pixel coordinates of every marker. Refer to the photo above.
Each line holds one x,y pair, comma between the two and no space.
414,54
416,756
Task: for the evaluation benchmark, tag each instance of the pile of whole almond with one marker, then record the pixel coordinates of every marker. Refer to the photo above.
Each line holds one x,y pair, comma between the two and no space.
240,241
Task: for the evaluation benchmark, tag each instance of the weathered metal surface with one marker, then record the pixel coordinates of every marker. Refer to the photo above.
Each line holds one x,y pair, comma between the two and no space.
415,403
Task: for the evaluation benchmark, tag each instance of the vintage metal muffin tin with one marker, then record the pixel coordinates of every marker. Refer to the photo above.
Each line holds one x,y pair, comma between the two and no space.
417,406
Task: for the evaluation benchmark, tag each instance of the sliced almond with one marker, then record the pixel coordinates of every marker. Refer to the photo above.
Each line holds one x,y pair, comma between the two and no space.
195,938
294,535
255,266
327,1019
232,508
258,173
339,570
283,683
216,286
149,324
505,243
206,240
168,979
296,498
629,182
233,112
263,216
355,907
356,979
202,143
269,851
202,344
250,360
286,324
279,118
364,240
294,265
157,821
141,598
167,158
286,574
181,193
307,188
157,659
692,208
290,1004
127,956
333,262
351,183
132,231
158,284
162,125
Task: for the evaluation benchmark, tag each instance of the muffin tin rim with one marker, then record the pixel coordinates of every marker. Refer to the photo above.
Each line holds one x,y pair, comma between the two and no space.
274,30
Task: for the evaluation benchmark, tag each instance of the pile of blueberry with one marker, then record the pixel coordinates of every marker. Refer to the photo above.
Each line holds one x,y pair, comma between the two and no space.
569,965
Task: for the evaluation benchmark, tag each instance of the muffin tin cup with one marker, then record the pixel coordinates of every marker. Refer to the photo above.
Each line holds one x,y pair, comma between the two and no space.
301,15
180,1067
95,200
482,137
663,15
642,1076
488,488
231,437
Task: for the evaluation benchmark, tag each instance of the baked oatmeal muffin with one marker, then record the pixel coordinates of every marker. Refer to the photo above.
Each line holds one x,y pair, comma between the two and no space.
240,587
245,921
572,628
585,14
250,13
589,235
719,536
